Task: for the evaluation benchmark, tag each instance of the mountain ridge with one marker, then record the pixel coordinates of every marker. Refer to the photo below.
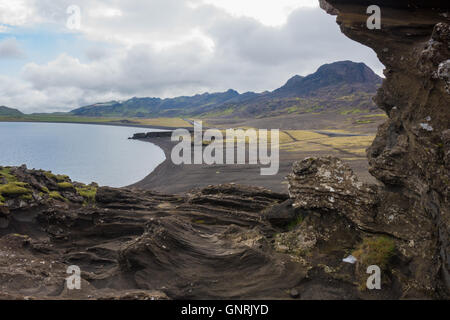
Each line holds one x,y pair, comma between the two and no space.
328,74
345,95
318,91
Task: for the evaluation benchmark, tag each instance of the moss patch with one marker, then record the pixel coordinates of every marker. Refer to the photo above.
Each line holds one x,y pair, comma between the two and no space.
65,185
293,224
5,173
62,178
375,251
50,175
56,195
26,197
13,189
88,193
57,177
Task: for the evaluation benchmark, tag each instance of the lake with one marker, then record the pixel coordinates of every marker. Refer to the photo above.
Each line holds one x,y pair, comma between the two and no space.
84,152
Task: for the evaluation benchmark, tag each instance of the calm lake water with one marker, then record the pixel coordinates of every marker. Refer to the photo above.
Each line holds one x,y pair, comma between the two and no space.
84,152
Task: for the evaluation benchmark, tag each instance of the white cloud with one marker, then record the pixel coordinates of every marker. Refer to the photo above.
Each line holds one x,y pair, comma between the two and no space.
16,12
180,47
104,11
268,12
19,93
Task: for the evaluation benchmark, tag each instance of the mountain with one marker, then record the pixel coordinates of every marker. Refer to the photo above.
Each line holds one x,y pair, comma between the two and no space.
345,86
5,111
148,107
331,75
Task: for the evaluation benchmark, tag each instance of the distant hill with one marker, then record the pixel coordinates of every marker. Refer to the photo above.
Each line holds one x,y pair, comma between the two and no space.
343,86
149,107
5,111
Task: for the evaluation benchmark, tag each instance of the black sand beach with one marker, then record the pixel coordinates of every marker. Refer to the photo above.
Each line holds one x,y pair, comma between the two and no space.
171,178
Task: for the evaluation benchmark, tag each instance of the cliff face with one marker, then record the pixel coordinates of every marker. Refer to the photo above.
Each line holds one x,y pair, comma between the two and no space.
411,153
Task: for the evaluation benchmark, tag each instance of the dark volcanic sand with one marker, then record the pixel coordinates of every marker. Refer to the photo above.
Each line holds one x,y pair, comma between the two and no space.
171,178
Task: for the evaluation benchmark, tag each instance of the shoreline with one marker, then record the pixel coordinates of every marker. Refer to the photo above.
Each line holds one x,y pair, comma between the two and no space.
114,124
170,178
175,179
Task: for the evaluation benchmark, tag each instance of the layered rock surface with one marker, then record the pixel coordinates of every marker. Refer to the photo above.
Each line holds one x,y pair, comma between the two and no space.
135,243
215,242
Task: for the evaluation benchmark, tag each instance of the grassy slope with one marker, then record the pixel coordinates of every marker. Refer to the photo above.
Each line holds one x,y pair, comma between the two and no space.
5,111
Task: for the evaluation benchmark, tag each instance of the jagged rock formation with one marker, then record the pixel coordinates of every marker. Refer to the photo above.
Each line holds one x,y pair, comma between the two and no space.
410,152
226,241
327,189
137,244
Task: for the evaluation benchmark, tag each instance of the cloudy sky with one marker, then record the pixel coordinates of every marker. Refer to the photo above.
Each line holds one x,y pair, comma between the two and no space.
164,48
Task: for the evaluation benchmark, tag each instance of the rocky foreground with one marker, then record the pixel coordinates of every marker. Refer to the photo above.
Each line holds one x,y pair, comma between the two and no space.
233,241
224,241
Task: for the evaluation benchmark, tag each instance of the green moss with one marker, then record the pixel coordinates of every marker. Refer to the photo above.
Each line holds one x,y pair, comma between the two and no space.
298,220
56,195
62,178
57,177
45,189
375,251
88,193
6,174
50,175
26,197
65,185
13,189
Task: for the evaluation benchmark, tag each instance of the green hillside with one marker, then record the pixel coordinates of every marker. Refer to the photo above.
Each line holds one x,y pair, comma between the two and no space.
10,112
